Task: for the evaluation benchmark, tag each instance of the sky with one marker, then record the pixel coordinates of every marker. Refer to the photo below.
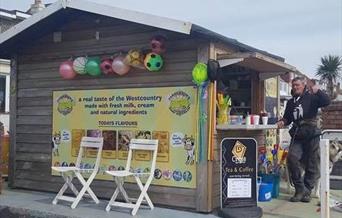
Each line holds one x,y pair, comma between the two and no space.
301,31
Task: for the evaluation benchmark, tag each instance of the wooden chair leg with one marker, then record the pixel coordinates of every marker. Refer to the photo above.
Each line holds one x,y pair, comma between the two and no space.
89,190
112,199
84,189
120,182
62,190
119,189
142,195
141,186
71,186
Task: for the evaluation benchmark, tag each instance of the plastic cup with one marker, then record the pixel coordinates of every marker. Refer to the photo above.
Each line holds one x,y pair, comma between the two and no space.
239,119
256,119
265,120
248,120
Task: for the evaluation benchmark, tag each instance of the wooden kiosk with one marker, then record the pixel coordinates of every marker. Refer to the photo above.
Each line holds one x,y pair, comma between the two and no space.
68,29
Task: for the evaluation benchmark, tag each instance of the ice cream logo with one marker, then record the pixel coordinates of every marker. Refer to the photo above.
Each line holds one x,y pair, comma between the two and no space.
65,104
239,151
179,103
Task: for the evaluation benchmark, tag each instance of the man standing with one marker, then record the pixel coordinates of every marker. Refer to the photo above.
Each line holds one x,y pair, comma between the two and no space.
301,111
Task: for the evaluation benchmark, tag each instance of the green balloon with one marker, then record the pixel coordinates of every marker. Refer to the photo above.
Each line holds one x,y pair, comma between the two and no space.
199,73
93,67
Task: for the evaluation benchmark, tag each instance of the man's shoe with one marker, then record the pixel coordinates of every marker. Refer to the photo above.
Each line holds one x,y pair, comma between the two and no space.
298,196
306,197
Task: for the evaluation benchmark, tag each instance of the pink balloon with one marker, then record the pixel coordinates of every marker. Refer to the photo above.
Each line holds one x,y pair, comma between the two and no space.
66,70
119,66
106,66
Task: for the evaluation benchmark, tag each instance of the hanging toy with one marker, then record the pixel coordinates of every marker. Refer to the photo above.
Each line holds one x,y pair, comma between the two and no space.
66,70
93,66
199,73
153,62
106,66
158,44
79,65
135,58
119,66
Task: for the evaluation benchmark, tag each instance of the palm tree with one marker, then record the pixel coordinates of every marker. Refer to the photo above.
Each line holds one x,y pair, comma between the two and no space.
329,71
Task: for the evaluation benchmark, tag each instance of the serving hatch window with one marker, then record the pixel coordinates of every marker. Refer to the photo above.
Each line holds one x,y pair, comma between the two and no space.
236,82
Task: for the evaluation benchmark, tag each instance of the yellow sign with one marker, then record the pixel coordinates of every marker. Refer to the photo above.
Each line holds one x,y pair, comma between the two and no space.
239,150
118,115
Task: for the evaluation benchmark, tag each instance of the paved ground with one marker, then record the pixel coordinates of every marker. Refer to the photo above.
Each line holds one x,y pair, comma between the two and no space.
38,204
282,208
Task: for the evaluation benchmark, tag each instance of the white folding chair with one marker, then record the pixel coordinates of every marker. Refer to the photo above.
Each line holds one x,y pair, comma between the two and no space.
135,144
69,173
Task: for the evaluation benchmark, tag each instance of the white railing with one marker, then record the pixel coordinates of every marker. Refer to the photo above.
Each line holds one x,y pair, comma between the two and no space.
325,183
327,135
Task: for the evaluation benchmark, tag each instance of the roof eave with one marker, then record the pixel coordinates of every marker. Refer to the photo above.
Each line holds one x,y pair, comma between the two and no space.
132,16
114,12
233,42
25,24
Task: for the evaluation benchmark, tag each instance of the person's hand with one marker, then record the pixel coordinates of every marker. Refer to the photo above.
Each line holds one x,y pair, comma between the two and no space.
280,124
315,88
312,86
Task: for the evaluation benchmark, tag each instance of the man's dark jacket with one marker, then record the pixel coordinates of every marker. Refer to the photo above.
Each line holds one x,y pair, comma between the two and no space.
302,111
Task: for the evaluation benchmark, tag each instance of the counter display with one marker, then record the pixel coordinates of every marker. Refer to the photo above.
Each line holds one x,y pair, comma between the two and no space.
245,127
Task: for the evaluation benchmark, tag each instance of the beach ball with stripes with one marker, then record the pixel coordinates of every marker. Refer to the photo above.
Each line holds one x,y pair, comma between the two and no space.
79,65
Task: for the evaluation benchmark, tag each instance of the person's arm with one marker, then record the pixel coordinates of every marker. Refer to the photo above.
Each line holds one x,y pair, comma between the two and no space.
287,118
320,97
288,115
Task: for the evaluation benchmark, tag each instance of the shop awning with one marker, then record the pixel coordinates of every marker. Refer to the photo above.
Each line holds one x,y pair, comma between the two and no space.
266,66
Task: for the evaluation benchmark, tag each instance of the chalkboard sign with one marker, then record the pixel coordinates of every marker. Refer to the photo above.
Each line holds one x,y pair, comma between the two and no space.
238,172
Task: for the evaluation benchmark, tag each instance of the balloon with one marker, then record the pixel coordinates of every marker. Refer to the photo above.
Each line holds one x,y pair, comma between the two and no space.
153,62
135,58
106,66
92,67
66,70
79,65
158,44
119,65
199,73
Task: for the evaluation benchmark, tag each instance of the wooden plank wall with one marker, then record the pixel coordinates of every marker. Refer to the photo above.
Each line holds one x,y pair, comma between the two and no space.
37,78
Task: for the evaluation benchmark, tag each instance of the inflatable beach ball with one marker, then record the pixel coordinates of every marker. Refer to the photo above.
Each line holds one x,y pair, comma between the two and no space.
66,70
119,66
200,73
79,65
153,62
135,58
106,66
92,66
158,44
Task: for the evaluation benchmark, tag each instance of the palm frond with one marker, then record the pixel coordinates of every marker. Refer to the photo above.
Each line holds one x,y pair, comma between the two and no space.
330,68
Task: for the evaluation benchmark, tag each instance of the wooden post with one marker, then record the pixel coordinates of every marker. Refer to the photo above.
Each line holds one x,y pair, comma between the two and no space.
258,95
203,176
211,130
13,122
